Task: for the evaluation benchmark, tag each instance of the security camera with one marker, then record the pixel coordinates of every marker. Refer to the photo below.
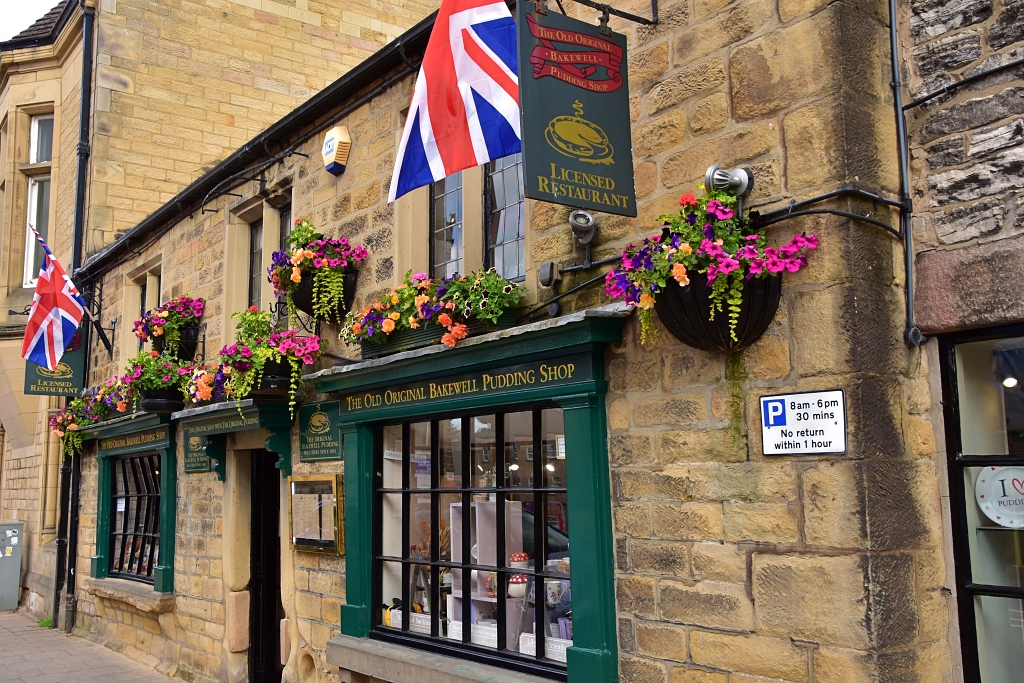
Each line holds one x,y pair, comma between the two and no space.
584,226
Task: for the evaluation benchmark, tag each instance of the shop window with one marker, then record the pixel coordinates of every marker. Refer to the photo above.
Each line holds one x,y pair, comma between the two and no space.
984,403
446,226
41,140
38,218
505,217
256,276
285,214
135,521
492,582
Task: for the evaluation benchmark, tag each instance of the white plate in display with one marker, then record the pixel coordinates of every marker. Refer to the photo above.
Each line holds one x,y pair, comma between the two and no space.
1000,495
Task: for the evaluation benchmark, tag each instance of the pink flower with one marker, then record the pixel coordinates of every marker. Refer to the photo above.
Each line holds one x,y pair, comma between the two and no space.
747,252
307,359
756,267
726,265
712,273
775,264
710,248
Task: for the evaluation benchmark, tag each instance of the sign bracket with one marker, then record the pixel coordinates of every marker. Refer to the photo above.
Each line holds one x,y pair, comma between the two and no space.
608,9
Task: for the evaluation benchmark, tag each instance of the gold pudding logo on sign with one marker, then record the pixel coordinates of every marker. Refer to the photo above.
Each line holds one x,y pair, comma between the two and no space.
319,422
63,371
195,443
580,139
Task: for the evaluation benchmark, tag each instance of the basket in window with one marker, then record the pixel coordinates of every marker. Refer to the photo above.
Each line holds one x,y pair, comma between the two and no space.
316,275
423,311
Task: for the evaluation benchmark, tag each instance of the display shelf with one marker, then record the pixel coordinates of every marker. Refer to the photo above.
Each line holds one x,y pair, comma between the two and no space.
554,648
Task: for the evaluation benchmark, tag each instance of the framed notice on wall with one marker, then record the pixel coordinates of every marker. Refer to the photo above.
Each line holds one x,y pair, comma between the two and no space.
317,513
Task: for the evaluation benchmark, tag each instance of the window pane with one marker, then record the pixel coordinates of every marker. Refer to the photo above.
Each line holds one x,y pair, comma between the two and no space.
990,384
419,456
518,448
446,226
995,519
1000,635
483,452
450,446
445,502
255,262
420,598
504,224
391,521
556,550
553,445
391,467
420,536
39,218
391,594
42,140
135,516
285,213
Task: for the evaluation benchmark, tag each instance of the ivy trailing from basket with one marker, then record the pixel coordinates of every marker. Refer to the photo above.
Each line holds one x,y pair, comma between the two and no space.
328,261
706,237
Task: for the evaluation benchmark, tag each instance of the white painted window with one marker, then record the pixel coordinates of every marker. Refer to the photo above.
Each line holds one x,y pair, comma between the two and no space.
39,218
41,146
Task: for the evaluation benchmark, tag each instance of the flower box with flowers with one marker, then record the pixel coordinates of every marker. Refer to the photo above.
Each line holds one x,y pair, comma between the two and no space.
714,281
318,275
173,327
422,312
264,362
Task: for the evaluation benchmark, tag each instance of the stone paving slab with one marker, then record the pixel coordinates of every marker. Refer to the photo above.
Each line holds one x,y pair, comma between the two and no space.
29,654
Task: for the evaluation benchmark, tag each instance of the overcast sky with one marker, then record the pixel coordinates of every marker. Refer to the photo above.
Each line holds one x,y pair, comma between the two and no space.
18,15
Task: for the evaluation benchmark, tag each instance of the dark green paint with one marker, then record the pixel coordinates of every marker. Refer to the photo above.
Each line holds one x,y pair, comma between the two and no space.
141,433
567,125
319,432
216,449
196,460
67,380
280,442
594,654
274,417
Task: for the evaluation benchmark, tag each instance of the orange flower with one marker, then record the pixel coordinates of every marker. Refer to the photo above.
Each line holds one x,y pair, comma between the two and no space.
154,354
366,310
420,300
685,249
460,331
449,340
450,305
388,325
646,301
121,406
377,306
394,315
445,320
74,426
412,322
402,286
296,275
394,298
356,328
679,273
688,199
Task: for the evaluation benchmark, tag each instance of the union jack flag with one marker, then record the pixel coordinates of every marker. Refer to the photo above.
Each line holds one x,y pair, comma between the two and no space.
57,310
465,108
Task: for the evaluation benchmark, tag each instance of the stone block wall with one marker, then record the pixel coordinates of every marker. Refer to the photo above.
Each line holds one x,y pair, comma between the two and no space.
182,84
967,161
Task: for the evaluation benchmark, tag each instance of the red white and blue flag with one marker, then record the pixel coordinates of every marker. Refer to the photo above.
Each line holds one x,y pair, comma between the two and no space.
465,108
57,310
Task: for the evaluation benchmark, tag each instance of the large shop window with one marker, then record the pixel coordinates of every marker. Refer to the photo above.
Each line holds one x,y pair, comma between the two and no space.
472,534
135,522
984,399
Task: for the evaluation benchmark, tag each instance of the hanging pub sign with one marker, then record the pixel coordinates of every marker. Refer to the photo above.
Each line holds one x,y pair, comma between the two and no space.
574,94
67,379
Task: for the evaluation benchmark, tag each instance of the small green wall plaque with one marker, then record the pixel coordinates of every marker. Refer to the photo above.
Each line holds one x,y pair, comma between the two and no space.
320,432
196,459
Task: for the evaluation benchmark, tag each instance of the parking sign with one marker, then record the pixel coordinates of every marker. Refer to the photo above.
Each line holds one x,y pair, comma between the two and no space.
809,423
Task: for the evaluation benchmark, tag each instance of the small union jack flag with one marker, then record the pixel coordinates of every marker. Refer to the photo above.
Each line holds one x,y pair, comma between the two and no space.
465,108
57,311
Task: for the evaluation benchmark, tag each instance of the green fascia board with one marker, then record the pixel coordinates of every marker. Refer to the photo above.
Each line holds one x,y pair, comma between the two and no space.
232,416
501,348
125,424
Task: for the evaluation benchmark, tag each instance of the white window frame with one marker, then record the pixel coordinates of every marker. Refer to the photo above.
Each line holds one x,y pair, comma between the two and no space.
29,273
34,139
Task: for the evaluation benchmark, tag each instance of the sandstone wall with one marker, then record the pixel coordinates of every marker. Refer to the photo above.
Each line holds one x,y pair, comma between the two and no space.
968,161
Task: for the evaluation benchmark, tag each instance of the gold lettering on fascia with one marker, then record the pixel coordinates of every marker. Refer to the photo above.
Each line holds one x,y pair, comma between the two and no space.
132,440
543,374
589,187
225,424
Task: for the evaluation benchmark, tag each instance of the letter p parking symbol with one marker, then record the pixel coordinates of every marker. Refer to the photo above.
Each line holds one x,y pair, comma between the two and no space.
774,412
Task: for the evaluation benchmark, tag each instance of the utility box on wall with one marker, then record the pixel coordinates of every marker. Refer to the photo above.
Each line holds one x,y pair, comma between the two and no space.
12,540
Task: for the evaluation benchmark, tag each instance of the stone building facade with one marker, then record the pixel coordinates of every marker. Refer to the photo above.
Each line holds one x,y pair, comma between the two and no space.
175,87
719,564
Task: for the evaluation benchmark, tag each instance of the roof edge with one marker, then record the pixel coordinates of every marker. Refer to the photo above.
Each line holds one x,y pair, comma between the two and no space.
190,199
21,43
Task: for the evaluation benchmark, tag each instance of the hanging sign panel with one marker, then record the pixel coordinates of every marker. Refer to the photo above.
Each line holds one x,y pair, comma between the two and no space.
809,423
574,94
67,379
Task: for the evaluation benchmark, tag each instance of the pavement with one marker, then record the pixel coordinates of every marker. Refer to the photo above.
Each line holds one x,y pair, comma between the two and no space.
30,654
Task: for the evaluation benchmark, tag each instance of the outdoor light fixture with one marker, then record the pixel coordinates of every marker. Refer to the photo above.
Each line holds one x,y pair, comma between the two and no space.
584,226
1010,382
738,181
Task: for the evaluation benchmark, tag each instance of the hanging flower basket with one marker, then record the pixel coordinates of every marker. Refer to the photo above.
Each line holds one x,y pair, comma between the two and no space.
161,400
427,335
302,297
185,347
275,382
686,313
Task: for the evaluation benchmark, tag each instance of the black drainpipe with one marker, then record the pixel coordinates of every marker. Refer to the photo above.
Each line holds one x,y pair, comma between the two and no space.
912,335
71,469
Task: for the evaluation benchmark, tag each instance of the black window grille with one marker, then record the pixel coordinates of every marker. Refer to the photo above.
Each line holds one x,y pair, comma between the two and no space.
135,527
446,238
505,217
255,262
518,609
983,404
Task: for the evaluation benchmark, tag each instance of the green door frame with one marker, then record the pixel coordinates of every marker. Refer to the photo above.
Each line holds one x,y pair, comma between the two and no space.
142,433
593,656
